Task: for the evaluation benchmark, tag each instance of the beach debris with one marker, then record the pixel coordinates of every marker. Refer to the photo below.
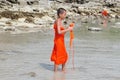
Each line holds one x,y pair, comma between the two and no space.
110,4
9,14
118,23
35,10
29,20
13,1
8,23
9,28
33,2
31,74
94,29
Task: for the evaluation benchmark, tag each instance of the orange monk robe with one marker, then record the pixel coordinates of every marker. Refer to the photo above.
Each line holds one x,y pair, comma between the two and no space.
59,54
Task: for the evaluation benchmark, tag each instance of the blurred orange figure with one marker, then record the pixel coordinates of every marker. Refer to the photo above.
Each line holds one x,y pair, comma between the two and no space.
105,15
105,12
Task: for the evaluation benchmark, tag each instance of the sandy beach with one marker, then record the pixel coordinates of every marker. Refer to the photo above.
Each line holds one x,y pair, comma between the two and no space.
27,56
26,41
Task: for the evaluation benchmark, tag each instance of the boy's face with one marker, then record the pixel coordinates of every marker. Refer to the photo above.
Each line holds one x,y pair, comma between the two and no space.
63,15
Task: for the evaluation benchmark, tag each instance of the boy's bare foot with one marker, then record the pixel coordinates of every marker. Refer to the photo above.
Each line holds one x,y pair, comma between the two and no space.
55,67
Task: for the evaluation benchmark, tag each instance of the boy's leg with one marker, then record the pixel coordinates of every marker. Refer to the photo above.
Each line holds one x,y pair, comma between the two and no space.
63,67
55,67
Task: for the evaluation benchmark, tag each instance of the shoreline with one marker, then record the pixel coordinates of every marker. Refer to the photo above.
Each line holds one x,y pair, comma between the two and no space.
32,18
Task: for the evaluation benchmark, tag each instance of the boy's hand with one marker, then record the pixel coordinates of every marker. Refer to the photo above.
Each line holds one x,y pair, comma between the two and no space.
70,28
72,25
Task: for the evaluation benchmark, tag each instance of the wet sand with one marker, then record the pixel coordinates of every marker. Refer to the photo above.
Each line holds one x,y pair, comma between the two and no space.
26,56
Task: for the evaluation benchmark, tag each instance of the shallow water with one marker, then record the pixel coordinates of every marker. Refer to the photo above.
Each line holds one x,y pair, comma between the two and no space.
96,57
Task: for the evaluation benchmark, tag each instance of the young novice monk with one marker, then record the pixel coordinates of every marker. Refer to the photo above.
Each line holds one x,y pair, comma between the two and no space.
59,54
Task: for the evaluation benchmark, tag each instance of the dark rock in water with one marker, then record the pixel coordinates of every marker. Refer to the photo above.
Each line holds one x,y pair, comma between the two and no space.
13,1
85,21
74,10
29,20
6,14
5,3
65,22
15,17
8,28
117,16
94,29
74,6
60,1
35,10
33,2
110,5
101,22
77,1
9,14
0,16
29,3
82,1
8,23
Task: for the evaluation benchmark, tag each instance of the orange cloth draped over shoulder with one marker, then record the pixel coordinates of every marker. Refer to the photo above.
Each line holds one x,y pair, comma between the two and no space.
59,54
71,34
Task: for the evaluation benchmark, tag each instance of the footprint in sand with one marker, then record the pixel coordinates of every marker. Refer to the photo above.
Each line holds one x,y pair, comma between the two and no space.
31,74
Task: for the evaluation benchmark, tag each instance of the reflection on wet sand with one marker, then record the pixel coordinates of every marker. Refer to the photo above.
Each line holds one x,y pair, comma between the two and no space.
59,76
104,23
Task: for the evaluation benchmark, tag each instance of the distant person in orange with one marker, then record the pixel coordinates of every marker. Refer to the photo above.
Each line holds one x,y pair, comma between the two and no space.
104,13
59,53
105,16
